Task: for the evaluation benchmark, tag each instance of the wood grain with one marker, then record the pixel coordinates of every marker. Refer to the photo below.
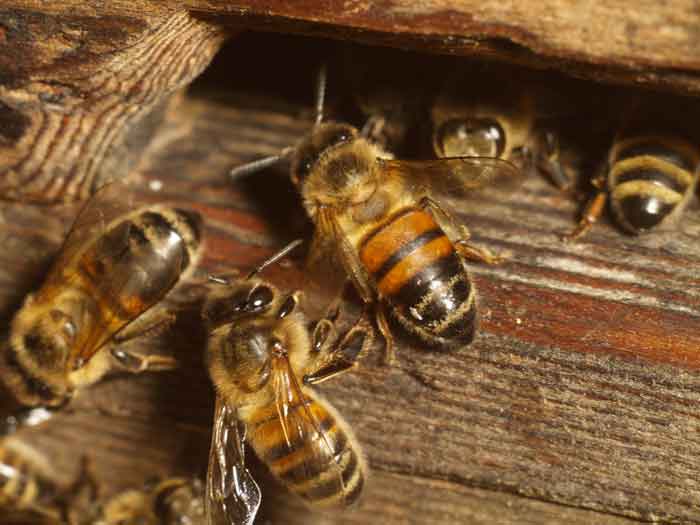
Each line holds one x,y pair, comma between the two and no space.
577,402
81,95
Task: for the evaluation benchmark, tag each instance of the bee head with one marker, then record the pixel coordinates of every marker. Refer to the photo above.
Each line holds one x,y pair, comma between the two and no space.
469,137
34,361
240,343
322,139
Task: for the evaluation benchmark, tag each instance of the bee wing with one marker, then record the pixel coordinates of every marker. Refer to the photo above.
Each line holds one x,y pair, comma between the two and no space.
98,244
453,177
302,423
109,203
326,273
232,495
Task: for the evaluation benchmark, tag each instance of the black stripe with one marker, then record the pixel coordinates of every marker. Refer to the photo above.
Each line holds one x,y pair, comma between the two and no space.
660,151
413,291
307,470
282,449
163,228
652,175
405,250
462,329
158,222
137,234
443,302
329,487
193,221
644,212
390,220
275,417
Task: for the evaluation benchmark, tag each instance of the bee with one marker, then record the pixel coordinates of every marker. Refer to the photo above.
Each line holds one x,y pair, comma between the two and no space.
27,480
262,359
650,173
174,501
116,263
497,113
387,223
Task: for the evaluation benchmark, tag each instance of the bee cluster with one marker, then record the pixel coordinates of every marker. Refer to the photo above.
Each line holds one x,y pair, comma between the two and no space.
385,195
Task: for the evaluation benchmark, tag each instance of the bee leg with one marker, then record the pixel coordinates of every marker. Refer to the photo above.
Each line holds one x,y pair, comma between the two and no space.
546,159
80,494
374,128
147,324
383,325
138,363
592,212
335,357
459,234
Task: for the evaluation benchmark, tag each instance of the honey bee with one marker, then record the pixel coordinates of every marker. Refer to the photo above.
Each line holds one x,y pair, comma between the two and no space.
497,113
262,359
387,224
174,501
116,263
650,174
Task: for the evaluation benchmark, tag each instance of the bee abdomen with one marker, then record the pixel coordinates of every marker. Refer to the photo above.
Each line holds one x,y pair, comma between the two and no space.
321,466
649,181
422,278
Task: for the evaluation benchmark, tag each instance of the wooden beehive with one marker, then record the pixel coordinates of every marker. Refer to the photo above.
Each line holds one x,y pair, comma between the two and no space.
577,401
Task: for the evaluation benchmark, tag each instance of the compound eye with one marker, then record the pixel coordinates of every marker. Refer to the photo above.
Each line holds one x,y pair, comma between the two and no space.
470,138
260,297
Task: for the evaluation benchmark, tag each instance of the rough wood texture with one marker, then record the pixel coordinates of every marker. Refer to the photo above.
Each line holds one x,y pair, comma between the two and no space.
636,42
81,94
644,43
84,84
577,402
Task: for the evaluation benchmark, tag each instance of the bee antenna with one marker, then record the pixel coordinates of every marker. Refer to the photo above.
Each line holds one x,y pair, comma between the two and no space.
321,82
257,165
275,257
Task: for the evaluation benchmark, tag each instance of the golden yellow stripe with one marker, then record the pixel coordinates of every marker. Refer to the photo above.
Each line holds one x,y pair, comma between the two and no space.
385,241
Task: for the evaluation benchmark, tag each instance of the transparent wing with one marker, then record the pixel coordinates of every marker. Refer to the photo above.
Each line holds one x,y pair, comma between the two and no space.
453,177
325,276
307,423
108,204
105,254
232,495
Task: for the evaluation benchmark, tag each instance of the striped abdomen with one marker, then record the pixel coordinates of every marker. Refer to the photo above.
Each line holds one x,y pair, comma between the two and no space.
650,180
21,487
325,469
420,275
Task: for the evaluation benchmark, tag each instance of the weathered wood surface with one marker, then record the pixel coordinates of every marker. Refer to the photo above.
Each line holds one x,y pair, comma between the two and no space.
83,84
644,43
82,92
577,402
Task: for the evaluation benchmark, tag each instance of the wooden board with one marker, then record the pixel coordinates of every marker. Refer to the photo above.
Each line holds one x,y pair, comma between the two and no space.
577,402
